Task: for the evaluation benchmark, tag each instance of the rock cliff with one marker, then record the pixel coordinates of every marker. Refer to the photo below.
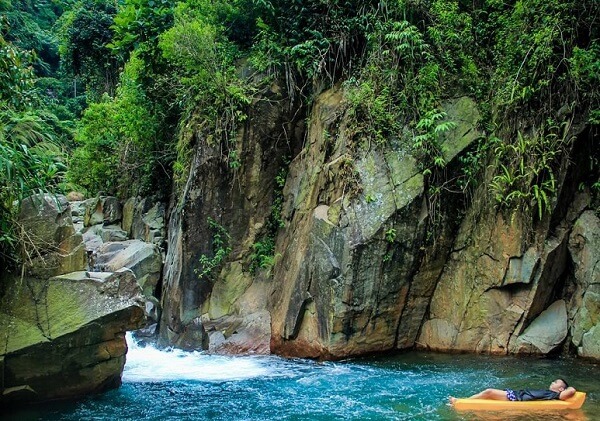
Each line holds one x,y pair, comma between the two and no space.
226,311
359,265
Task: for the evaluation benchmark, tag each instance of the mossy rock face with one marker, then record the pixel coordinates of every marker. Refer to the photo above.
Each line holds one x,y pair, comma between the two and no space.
227,290
464,113
65,337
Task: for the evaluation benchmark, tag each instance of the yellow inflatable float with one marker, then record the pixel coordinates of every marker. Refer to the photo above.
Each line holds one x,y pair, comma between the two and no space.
467,404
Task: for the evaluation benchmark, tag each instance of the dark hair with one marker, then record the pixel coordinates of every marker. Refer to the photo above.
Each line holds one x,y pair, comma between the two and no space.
565,382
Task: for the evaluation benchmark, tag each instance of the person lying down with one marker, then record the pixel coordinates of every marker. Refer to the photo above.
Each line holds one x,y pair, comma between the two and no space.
559,389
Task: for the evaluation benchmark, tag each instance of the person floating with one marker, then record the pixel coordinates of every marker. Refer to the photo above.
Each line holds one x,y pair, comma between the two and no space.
559,389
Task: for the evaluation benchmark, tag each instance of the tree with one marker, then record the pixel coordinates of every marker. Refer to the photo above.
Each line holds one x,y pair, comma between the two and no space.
85,33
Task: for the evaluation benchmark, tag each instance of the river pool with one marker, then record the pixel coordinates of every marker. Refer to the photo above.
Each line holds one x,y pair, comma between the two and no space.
177,385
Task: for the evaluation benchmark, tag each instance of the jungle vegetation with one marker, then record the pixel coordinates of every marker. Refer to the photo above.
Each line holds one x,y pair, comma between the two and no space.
110,96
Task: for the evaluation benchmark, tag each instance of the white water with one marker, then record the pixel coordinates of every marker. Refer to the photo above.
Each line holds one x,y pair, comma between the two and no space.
149,364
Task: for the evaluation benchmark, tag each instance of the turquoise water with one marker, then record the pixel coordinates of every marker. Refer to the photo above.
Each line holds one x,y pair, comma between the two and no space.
176,385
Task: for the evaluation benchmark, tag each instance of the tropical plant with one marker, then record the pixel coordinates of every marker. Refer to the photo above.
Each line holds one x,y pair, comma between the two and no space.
220,249
427,146
209,91
527,169
138,25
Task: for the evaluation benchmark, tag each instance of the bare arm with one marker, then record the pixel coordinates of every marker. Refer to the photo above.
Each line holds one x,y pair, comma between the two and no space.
567,393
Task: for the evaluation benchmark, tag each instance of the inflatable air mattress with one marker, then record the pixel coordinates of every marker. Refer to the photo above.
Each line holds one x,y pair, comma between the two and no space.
467,404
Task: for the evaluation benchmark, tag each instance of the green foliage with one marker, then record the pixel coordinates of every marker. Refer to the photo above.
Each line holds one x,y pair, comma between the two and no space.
209,91
93,164
413,52
585,73
117,138
452,40
263,255
30,145
473,163
29,28
84,33
427,142
220,248
390,235
309,38
138,25
30,157
527,169
547,50
16,76
372,110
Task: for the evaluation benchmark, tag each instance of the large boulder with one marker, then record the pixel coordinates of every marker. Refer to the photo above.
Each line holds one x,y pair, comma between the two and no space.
144,219
51,245
102,210
142,258
65,337
546,333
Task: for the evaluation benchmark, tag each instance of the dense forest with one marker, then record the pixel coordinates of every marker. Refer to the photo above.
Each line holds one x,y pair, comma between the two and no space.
110,96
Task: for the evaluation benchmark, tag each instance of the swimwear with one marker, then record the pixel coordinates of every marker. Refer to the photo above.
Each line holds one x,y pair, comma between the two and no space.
510,395
531,395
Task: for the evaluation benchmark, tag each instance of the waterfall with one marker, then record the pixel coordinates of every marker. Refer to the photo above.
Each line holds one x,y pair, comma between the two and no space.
150,364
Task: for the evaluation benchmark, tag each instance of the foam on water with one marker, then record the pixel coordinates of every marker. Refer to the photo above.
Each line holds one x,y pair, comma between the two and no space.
149,364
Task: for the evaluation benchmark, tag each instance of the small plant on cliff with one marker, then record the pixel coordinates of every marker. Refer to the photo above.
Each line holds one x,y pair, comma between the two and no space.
390,235
220,250
426,143
526,169
263,251
263,254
